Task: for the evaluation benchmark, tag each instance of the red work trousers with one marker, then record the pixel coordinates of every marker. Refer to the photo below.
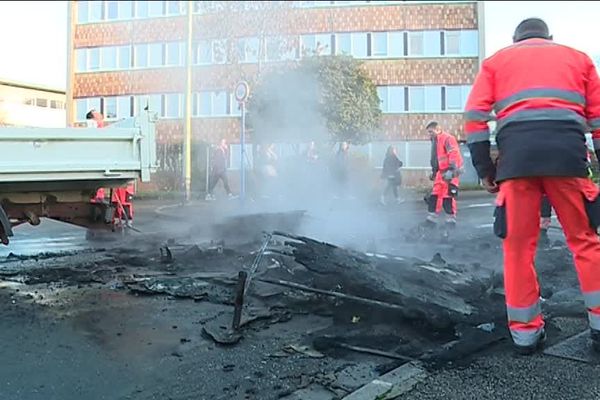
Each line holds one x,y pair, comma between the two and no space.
122,200
522,200
441,195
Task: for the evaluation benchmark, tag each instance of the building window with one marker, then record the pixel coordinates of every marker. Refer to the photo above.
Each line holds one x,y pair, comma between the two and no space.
424,44
80,109
248,50
456,97
343,44
469,43
219,51
108,58
60,105
359,45
392,99
396,44
212,104
155,55
382,92
453,98
40,102
81,55
172,105
425,99
156,8
82,12
203,52
152,101
235,109
124,57
123,107
433,98
173,56
112,10
125,9
83,106
219,103
93,59
141,9
415,44
205,106
110,107
278,49
379,44
140,55
174,7
95,8
205,7
462,43
316,44
452,43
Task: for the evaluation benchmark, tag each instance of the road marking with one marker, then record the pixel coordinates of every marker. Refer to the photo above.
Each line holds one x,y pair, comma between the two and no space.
483,226
393,384
479,205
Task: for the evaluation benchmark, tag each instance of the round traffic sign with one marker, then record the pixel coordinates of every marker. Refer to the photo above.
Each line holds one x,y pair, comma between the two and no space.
241,91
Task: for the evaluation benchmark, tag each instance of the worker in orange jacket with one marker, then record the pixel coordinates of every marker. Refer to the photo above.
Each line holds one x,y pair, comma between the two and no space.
546,97
446,166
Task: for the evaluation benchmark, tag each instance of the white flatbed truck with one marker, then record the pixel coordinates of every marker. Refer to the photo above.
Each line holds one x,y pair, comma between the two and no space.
55,172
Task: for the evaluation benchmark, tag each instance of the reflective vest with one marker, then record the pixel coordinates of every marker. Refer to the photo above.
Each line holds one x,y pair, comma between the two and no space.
446,152
545,97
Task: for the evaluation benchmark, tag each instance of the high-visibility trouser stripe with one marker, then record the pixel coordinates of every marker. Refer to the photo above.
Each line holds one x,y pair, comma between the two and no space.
594,320
478,136
524,314
592,299
477,115
547,114
596,144
526,337
594,123
570,96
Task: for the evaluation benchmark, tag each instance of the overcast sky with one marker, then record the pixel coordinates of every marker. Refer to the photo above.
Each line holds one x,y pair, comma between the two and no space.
34,33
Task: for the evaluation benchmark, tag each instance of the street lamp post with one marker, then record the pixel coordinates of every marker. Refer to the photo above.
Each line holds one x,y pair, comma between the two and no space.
187,144
242,91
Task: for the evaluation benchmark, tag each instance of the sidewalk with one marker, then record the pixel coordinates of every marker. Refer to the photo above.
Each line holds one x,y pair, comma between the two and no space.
178,210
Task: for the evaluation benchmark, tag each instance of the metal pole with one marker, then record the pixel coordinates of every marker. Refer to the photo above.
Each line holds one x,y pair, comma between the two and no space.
207,166
239,300
187,161
70,103
243,153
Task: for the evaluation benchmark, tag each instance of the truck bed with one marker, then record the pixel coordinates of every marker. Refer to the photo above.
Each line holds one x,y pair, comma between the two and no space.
48,159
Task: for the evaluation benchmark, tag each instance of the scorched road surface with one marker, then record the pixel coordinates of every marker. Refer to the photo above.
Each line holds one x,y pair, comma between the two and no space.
78,333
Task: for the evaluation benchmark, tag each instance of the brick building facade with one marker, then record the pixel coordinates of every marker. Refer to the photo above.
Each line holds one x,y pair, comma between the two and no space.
124,55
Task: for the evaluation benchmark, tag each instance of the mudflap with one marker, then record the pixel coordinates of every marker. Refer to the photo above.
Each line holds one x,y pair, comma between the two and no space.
5,227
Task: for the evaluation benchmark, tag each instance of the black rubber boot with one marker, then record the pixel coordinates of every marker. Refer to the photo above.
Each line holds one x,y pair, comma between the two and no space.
544,239
531,349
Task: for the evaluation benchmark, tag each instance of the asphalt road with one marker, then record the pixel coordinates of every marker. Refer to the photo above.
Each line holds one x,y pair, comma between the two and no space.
128,354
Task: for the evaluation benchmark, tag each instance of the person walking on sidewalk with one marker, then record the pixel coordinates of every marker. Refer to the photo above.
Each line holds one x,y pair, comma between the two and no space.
392,175
218,170
546,96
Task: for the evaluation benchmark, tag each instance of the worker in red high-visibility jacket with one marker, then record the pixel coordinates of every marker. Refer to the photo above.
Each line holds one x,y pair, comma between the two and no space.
546,97
122,200
446,166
